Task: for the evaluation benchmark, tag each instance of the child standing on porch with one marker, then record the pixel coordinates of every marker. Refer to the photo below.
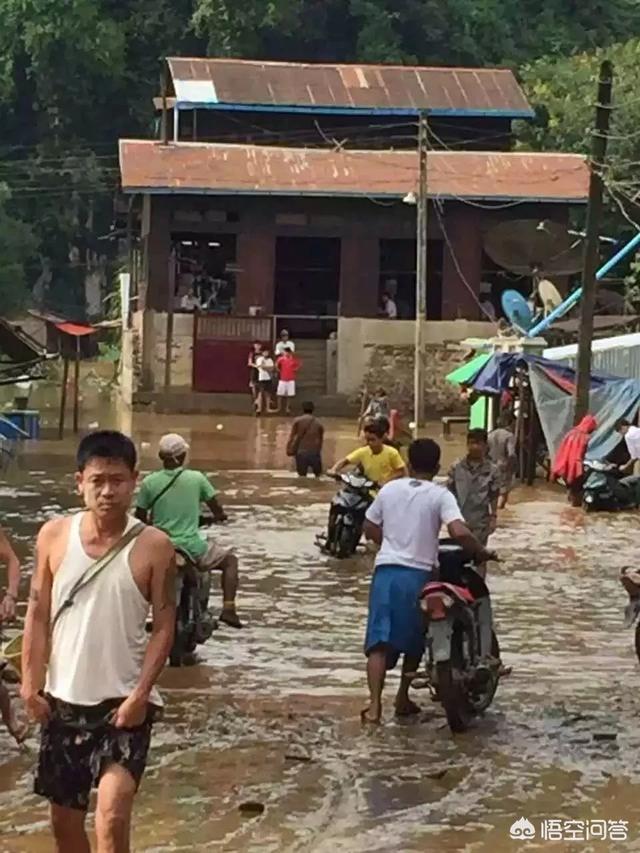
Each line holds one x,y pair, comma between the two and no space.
288,366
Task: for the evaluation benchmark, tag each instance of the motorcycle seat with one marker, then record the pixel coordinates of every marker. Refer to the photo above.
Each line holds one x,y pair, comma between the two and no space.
460,592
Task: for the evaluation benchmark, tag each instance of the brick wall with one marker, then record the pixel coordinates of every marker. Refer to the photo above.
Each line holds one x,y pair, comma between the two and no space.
392,368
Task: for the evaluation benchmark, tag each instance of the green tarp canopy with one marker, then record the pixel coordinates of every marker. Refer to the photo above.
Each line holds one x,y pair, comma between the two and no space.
461,375
464,374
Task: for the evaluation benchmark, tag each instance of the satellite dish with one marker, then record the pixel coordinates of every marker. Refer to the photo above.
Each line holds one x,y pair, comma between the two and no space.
516,308
549,296
531,247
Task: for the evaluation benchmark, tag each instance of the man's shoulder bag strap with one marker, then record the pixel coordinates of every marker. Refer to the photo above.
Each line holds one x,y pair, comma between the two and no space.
97,568
161,493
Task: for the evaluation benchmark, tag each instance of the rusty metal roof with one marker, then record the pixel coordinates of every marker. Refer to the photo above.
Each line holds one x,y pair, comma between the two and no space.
209,168
382,89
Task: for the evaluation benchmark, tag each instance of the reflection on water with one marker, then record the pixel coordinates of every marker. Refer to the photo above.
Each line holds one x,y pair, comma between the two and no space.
272,713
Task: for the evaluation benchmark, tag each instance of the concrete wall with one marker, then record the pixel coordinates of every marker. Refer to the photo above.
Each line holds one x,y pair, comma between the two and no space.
182,351
131,371
357,337
380,352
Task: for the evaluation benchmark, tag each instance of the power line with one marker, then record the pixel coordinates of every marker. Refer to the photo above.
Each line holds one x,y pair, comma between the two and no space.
456,262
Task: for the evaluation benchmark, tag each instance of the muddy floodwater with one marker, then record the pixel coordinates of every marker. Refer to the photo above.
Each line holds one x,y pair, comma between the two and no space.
271,715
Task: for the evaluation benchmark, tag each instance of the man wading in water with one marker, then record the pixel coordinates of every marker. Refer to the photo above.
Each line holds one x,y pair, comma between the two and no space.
97,572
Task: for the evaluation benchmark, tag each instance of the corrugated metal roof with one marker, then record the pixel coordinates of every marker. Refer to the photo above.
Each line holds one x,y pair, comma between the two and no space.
618,356
210,168
394,89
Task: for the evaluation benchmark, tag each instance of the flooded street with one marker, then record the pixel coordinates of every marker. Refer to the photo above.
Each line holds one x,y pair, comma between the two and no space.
272,713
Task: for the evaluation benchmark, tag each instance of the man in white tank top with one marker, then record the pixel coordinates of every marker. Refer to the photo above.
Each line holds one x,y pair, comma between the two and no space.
89,672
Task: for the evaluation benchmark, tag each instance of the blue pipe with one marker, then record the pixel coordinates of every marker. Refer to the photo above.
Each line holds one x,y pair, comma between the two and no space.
571,300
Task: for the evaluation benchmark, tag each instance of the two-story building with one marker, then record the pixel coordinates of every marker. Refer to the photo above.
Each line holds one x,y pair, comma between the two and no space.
281,195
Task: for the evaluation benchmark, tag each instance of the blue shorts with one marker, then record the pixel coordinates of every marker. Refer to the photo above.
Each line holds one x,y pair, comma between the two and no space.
395,619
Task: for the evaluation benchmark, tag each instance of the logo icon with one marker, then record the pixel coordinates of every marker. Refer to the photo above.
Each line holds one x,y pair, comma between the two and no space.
522,830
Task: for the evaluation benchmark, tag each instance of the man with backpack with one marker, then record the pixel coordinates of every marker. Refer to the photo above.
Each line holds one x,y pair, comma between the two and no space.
170,499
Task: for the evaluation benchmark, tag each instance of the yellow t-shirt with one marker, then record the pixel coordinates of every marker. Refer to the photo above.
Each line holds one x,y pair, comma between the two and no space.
379,467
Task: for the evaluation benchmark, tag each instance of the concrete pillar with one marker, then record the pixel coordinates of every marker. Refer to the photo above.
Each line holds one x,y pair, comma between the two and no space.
156,236
462,265
359,276
256,259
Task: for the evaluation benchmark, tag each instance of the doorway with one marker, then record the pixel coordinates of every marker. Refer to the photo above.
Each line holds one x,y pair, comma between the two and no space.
398,276
307,276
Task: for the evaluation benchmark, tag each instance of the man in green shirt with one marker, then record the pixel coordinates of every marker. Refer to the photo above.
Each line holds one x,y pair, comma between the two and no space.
170,499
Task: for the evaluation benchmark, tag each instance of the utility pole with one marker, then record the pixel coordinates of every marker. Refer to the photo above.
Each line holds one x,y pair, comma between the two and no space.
164,118
421,276
594,214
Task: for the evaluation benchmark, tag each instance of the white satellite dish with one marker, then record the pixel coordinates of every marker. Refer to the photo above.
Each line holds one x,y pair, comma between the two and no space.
549,295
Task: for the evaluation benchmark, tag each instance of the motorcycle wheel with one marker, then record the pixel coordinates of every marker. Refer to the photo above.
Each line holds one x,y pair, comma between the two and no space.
453,699
347,542
482,697
637,641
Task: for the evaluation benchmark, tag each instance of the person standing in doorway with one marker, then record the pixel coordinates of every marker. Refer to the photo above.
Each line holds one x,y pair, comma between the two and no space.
305,442
389,307
288,367
284,344
173,497
88,667
266,371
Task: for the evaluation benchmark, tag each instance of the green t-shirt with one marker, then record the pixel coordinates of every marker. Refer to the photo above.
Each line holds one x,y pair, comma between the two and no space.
177,512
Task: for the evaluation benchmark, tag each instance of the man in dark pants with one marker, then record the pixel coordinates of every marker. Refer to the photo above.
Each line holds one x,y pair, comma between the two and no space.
305,442
88,667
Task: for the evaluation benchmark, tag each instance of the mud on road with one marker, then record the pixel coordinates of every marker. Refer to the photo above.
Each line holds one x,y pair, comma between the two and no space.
271,715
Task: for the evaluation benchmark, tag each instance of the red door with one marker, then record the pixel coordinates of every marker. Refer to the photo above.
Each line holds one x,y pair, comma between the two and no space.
220,350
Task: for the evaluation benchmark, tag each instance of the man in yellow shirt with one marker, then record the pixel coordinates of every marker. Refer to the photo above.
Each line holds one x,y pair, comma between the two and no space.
379,462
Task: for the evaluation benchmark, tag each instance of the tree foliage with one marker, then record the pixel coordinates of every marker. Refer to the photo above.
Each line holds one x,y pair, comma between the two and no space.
564,94
75,75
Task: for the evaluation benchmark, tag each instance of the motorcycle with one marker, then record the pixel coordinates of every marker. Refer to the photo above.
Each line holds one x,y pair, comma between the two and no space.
194,621
606,489
630,580
346,515
462,668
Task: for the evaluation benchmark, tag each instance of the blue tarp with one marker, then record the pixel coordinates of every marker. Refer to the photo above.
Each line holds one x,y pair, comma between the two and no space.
552,384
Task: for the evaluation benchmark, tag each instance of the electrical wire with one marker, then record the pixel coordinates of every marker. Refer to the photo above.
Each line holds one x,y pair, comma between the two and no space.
456,263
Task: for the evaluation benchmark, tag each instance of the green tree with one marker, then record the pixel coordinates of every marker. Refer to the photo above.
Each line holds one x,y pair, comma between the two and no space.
17,247
564,93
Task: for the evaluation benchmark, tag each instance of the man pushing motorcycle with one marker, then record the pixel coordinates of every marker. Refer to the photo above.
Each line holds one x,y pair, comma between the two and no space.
170,499
405,521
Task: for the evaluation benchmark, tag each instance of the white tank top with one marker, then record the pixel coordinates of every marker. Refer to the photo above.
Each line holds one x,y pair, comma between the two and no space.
98,643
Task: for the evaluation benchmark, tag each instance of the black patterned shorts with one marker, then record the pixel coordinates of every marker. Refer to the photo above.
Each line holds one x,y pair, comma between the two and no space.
78,743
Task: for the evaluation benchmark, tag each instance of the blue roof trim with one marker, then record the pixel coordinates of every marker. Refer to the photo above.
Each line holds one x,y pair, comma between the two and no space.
333,194
451,112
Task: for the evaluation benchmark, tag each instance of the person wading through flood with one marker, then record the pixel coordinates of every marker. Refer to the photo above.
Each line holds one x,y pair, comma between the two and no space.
405,521
97,574
171,500
502,452
8,614
474,482
568,464
305,442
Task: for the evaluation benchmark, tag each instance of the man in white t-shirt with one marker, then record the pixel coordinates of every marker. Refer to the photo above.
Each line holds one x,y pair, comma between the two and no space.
631,436
265,366
285,343
405,520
